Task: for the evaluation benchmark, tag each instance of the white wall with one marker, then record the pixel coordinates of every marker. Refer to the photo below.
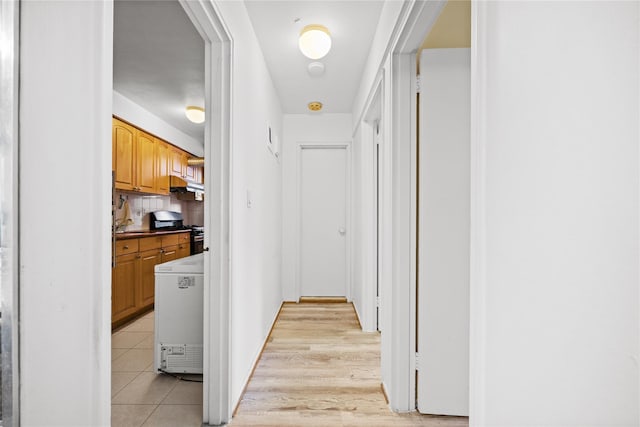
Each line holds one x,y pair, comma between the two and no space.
128,110
302,128
65,176
256,258
555,302
443,239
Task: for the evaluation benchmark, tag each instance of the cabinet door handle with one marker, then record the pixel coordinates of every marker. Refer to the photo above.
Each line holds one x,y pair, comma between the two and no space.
125,247
138,256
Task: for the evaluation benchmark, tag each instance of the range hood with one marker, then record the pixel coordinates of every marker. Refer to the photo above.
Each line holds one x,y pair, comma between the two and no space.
179,185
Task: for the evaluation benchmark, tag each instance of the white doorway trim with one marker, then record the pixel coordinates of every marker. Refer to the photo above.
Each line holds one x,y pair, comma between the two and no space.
298,230
371,124
399,205
9,215
218,216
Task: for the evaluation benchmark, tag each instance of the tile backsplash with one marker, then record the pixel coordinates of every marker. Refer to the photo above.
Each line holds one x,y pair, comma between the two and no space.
142,205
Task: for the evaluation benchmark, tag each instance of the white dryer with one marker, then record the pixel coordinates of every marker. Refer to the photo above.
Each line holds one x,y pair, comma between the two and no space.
179,302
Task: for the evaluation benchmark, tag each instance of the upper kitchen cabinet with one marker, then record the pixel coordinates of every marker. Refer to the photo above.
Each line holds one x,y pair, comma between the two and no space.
145,162
178,163
163,157
124,149
134,154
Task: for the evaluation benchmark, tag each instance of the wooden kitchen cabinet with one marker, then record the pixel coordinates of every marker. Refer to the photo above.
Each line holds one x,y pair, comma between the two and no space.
170,253
195,174
191,173
133,158
184,250
144,163
123,158
162,167
133,277
145,172
124,286
178,162
148,261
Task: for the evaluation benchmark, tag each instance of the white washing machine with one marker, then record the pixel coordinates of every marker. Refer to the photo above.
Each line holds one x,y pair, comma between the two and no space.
179,300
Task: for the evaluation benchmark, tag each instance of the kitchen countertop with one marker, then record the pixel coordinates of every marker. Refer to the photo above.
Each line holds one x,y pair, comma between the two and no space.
145,233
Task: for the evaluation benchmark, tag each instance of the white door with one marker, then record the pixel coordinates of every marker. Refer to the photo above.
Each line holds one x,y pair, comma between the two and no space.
323,221
443,238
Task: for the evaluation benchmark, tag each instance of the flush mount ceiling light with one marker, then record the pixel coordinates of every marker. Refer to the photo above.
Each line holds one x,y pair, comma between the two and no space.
195,114
314,41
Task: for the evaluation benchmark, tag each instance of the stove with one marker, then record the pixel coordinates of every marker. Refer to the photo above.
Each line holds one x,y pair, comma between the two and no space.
197,238
169,220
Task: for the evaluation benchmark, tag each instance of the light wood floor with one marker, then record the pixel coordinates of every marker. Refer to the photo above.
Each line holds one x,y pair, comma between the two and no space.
320,369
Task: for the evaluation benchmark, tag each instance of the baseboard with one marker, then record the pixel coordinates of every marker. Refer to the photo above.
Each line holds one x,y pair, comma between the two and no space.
384,393
323,300
355,310
255,362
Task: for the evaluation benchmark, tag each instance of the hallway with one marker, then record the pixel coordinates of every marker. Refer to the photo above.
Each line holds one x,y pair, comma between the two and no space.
317,369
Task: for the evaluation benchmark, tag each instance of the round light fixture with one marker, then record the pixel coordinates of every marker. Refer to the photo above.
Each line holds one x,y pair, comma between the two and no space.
315,69
314,41
315,106
195,114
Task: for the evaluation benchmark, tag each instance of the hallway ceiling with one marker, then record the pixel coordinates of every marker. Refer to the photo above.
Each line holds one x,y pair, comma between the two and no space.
352,25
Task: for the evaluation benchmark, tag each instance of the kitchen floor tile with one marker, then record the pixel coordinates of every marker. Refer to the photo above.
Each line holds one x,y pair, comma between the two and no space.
117,352
127,339
184,393
145,343
175,415
144,324
134,360
146,388
130,415
121,379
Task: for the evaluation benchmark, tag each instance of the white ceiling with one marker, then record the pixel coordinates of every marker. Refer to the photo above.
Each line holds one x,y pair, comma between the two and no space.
352,25
159,56
158,60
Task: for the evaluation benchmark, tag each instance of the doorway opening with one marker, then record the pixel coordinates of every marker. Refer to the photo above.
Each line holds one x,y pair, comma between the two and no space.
201,74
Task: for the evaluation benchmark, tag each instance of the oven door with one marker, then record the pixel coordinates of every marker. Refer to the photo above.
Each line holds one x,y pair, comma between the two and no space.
197,244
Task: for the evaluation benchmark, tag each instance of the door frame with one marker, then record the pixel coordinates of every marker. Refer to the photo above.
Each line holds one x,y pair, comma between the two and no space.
373,115
399,201
303,145
9,215
218,211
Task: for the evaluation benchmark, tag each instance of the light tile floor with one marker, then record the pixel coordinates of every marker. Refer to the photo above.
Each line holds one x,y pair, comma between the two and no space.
139,396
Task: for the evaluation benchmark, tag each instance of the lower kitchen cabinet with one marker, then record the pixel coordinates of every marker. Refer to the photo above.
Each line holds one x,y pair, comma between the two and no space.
123,286
133,277
169,253
148,261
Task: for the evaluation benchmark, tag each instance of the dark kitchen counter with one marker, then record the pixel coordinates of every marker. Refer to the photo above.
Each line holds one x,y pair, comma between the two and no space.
145,233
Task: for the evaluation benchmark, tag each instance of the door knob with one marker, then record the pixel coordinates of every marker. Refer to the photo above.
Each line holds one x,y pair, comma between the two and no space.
342,231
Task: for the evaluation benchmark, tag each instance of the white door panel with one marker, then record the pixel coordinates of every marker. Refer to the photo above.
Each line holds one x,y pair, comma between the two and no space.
443,239
323,221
